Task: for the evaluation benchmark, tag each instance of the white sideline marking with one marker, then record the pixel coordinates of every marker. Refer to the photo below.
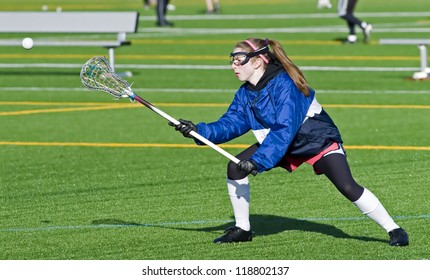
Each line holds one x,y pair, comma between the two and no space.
206,67
209,90
285,16
332,29
117,225
187,223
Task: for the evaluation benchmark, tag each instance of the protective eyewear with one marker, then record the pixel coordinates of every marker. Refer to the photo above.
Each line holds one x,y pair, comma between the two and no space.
242,58
239,58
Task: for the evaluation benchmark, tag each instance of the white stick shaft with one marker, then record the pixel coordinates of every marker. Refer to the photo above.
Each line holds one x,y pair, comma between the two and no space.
192,133
215,147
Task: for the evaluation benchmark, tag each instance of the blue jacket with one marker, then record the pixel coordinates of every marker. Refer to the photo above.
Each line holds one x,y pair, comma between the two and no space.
274,113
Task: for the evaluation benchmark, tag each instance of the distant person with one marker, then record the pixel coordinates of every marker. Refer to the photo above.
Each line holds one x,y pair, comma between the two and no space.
277,104
212,7
345,10
161,11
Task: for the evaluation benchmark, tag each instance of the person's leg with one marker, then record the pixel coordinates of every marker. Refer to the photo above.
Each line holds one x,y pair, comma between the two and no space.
161,13
365,26
349,15
239,189
335,167
209,7
217,6
346,12
161,7
239,193
233,172
166,3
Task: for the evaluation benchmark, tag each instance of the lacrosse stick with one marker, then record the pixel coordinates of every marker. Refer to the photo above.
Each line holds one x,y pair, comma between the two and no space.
96,74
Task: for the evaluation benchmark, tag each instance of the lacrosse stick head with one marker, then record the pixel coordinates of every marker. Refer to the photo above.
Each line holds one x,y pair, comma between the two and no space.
96,74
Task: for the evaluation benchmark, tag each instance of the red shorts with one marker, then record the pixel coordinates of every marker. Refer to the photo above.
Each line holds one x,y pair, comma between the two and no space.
292,163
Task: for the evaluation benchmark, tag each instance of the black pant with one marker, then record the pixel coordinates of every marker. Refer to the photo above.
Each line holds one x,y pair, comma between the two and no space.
161,11
349,17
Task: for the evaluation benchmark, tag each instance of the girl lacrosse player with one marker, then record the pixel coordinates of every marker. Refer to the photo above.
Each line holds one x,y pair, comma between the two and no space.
277,104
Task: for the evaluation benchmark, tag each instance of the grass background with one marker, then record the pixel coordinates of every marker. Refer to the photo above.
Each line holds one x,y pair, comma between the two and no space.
66,192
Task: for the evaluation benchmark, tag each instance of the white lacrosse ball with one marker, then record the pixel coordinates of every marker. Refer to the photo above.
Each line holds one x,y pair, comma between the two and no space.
27,43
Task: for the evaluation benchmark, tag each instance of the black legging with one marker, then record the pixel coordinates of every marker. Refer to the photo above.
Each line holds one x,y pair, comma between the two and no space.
161,11
335,167
233,172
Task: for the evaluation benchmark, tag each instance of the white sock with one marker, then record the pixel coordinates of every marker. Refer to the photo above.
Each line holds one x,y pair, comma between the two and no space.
239,192
370,205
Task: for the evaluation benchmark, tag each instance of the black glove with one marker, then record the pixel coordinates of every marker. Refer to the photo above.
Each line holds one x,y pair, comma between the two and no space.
248,166
185,127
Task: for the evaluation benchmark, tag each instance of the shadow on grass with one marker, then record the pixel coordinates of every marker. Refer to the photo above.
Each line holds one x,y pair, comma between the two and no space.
263,225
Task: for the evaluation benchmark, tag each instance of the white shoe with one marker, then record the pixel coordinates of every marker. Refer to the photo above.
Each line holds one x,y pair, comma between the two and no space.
171,7
324,4
351,39
366,31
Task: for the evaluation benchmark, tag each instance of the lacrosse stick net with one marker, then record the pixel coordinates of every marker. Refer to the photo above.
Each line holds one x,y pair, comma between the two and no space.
96,74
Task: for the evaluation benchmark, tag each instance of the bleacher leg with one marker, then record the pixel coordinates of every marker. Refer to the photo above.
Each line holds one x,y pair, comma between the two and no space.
112,64
112,59
425,70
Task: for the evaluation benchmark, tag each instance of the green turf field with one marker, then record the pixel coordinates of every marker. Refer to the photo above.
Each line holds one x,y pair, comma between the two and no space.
86,177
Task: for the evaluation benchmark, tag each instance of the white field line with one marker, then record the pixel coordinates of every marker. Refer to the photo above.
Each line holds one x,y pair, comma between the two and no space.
207,67
287,16
144,32
181,224
390,28
333,29
203,90
401,27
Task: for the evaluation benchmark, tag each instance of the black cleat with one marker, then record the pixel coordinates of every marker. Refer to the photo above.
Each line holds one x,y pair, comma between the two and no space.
398,237
165,24
234,234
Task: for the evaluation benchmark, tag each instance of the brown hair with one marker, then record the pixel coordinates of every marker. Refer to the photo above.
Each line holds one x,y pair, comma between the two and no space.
293,71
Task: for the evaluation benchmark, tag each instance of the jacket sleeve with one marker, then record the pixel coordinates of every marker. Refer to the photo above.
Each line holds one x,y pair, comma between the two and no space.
231,125
291,107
